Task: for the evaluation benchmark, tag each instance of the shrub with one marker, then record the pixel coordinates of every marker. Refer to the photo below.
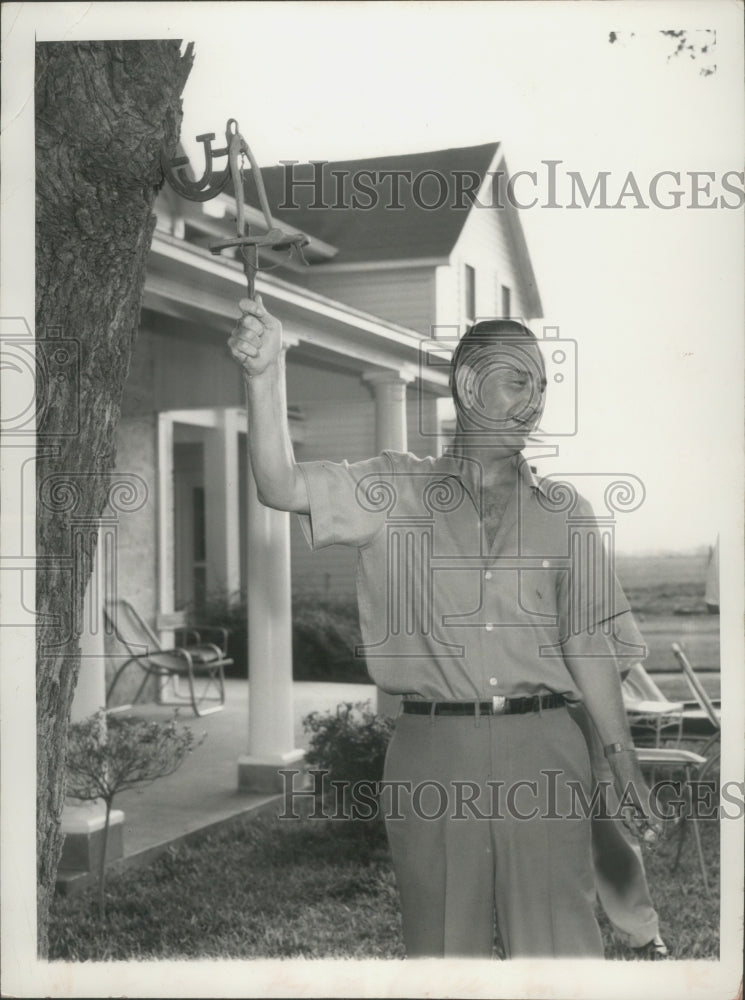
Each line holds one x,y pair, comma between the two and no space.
227,610
350,744
325,633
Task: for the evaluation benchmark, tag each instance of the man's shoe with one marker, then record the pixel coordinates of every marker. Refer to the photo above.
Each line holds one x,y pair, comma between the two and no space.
653,950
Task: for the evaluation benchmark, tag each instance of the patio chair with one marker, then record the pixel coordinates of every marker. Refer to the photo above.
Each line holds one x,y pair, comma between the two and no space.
709,712
694,767
651,715
195,663
654,718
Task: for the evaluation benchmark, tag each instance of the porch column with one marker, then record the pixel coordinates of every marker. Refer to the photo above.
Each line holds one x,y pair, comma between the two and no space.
166,590
389,389
271,723
83,822
221,503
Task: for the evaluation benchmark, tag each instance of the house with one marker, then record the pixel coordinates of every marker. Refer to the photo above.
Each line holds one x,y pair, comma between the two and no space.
391,281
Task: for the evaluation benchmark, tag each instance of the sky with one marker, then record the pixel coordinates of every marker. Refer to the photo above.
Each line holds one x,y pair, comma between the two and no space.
652,297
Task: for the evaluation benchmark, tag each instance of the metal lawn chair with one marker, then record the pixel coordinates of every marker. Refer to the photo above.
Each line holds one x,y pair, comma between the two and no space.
708,713
197,665
651,715
655,718
694,766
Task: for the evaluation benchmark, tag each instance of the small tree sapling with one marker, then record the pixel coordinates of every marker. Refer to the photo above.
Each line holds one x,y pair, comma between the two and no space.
105,756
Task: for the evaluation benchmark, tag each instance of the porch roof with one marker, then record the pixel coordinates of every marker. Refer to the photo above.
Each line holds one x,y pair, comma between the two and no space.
188,283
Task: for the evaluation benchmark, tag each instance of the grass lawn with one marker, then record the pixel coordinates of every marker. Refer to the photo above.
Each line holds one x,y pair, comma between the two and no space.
274,888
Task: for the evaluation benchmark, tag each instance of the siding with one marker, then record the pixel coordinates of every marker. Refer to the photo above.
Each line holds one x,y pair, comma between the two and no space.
400,295
170,372
315,382
334,430
484,244
190,374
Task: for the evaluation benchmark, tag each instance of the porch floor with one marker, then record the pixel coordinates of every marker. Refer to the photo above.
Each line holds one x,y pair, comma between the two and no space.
204,792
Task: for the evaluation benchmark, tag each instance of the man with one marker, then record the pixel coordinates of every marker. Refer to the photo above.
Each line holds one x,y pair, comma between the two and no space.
473,611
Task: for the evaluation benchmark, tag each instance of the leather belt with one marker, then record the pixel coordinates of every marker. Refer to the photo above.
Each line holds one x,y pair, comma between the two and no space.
497,706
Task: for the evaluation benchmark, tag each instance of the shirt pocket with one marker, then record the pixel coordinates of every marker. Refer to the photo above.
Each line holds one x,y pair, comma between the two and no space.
536,593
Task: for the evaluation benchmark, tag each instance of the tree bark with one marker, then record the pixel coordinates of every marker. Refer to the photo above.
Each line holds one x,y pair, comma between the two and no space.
103,112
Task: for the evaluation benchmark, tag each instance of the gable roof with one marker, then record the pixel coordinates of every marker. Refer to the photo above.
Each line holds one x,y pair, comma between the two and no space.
381,231
319,202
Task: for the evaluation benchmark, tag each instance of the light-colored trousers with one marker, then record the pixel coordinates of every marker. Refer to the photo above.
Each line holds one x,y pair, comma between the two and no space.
456,871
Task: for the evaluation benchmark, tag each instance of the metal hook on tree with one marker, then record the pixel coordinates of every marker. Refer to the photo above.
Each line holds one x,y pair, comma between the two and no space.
210,185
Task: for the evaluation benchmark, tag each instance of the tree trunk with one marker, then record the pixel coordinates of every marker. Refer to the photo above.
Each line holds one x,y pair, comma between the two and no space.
103,111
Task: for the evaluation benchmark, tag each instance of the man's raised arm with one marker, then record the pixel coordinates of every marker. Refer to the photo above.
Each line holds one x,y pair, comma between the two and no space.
256,345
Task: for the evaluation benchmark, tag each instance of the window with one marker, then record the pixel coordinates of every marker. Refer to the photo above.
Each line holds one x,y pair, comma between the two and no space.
470,287
506,304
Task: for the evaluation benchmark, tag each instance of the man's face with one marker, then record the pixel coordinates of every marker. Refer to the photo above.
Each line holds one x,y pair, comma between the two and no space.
500,389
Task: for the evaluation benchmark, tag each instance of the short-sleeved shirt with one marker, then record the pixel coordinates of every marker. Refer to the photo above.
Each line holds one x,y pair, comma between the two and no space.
446,616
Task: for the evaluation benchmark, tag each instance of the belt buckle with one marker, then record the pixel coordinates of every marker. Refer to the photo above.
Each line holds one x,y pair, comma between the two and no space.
498,703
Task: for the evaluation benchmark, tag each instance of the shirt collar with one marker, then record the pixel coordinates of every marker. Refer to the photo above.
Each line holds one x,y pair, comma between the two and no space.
467,472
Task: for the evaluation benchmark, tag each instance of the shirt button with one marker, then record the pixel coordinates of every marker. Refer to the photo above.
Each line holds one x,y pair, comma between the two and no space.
489,627
545,564
487,575
493,681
